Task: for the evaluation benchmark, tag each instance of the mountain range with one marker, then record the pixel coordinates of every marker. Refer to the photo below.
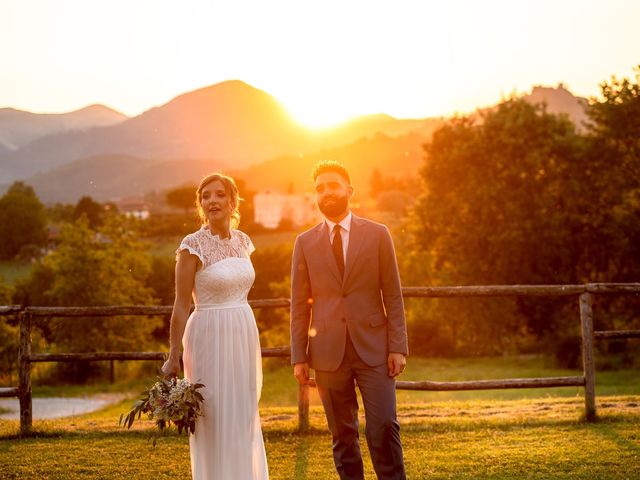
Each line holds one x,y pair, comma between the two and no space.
230,126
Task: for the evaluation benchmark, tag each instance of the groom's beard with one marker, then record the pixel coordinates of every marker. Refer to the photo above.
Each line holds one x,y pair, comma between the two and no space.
333,206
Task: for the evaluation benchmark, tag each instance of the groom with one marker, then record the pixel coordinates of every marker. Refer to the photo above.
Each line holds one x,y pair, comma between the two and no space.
347,323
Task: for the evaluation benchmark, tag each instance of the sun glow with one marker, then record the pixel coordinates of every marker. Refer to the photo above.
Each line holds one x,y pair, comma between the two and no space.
319,117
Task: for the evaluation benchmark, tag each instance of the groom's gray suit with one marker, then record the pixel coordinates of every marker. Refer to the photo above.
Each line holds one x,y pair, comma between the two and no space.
345,327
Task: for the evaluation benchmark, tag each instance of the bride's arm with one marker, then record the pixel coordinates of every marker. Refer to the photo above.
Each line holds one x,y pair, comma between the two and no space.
186,267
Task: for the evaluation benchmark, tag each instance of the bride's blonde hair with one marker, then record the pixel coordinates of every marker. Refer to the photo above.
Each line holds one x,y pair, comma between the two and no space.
231,190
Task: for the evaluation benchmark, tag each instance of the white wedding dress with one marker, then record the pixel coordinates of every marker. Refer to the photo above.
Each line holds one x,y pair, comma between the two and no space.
222,351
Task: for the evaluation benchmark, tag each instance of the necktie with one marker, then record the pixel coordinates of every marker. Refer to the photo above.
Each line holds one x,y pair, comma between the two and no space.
336,246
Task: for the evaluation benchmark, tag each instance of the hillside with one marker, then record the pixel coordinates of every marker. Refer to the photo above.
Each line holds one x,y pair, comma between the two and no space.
107,177
232,122
397,156
243,130
18,128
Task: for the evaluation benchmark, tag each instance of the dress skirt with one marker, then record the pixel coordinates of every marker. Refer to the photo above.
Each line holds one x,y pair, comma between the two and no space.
222,351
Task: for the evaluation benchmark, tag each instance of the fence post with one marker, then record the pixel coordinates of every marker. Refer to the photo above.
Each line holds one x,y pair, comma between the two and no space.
25,373
586,323
303,408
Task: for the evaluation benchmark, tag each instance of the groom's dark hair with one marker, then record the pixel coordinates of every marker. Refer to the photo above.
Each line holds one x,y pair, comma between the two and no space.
324,166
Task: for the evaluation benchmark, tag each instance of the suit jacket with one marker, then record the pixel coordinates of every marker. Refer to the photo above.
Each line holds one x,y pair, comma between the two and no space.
367,301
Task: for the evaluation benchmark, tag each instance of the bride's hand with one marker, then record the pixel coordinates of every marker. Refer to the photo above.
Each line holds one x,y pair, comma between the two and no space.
171,367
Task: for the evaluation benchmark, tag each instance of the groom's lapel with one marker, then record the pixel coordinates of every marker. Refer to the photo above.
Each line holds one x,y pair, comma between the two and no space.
323,248
356,238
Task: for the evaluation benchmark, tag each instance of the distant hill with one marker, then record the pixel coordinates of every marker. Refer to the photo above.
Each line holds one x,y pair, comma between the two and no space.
559,100
108,177
18,128
399,156
232,122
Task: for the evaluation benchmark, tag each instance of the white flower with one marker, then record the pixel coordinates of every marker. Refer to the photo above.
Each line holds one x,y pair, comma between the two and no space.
169,401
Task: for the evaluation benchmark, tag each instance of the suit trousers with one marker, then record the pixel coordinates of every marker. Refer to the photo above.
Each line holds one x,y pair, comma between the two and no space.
382,430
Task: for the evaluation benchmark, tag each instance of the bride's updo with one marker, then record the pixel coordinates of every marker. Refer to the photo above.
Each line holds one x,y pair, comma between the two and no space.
232,192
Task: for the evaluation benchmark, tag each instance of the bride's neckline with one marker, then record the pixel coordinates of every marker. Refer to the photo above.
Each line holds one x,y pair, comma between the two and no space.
216,236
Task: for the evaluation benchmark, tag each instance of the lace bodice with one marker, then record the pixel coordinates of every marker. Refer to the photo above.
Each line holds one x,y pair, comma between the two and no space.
227,274
210,248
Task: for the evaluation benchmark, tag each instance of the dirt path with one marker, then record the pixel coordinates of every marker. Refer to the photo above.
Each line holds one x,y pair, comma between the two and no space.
57,407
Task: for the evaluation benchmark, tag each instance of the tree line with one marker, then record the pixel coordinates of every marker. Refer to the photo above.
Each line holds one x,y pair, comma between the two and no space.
520,196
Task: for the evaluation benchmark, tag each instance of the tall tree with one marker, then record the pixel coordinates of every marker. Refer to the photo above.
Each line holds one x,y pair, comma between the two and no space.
521,197
499,208
498,196
22,220
614,167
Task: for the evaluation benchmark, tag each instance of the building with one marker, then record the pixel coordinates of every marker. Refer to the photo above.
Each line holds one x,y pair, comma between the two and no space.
134,207
271,209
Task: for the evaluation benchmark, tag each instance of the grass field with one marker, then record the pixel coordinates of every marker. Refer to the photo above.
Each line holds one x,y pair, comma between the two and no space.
280,390
510,434
481,439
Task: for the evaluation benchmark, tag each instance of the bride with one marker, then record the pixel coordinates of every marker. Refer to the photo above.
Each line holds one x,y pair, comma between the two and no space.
220,338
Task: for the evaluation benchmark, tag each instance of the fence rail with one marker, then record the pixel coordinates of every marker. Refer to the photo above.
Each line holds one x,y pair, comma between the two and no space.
583,292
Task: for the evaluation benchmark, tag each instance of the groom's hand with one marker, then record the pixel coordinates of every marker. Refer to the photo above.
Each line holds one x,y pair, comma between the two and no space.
396,363
301,372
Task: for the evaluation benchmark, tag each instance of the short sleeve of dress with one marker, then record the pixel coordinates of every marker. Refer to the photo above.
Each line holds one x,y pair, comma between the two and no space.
247,244
191,244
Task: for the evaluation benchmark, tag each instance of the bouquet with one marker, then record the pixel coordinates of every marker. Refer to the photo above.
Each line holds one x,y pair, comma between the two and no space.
169,400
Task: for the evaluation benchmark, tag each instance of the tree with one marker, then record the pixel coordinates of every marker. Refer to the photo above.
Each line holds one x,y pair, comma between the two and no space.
61,212
521,197
376,183
22,220
273,266
396,202
379,183
9,339
614,165
501,205
91,209
614,168
183,197
107,266
615,121
498,195
246,207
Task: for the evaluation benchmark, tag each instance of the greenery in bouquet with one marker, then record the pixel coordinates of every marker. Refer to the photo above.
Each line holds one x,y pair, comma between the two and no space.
169,401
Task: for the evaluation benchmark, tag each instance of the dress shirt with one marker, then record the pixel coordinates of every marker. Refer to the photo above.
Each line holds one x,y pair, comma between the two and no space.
345,223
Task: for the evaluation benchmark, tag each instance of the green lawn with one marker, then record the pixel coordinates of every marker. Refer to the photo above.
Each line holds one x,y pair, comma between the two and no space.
280,390
534,433
481,439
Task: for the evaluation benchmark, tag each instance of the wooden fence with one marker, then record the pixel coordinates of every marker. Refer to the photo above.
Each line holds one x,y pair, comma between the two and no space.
583,293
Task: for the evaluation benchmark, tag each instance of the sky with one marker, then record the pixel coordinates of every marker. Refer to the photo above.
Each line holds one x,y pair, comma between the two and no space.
325,61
